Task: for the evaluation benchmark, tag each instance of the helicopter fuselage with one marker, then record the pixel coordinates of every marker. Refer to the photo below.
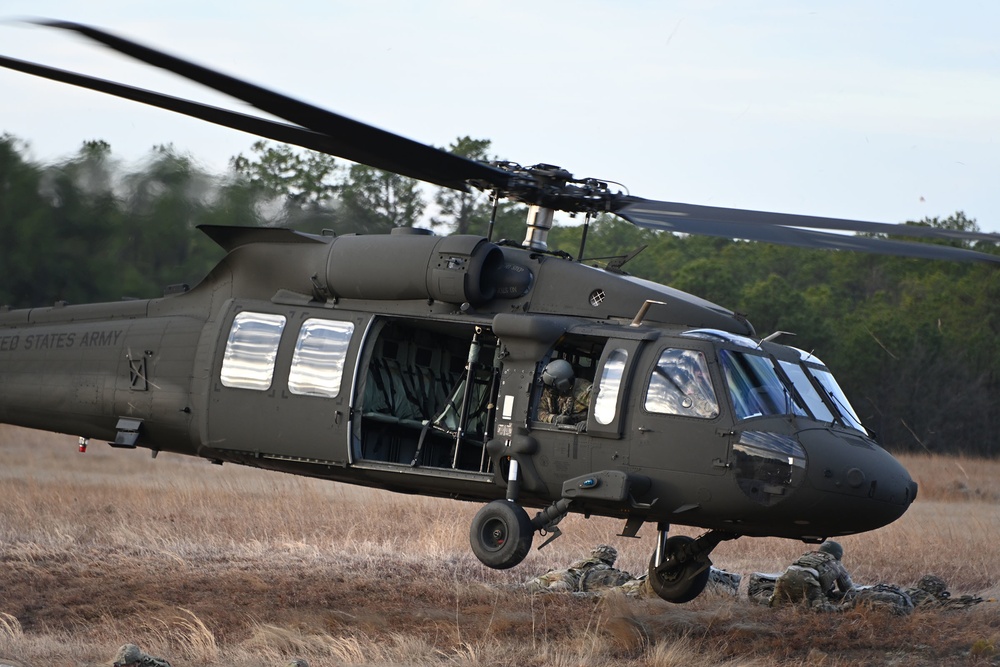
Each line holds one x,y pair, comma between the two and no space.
422,375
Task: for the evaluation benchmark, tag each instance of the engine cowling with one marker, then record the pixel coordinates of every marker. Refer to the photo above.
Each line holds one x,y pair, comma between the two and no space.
454,269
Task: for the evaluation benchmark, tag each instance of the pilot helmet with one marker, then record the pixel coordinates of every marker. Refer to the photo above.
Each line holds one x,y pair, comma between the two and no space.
832,548
605,553
558,374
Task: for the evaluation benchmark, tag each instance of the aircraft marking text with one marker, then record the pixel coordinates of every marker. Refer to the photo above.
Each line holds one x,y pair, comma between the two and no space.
59,341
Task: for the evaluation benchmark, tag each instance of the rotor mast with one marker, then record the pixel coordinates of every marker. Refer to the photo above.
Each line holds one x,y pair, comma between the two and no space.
539,223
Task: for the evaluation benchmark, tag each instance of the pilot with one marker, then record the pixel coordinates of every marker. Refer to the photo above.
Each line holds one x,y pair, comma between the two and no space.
565,399
813,578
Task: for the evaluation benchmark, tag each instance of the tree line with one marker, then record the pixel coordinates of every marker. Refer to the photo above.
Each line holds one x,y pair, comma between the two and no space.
915,343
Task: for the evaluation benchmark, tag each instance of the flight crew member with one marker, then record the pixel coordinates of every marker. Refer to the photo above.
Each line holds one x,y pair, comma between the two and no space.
565,399
813,578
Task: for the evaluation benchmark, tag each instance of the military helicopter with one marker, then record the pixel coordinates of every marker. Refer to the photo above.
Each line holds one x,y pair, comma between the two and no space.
420,364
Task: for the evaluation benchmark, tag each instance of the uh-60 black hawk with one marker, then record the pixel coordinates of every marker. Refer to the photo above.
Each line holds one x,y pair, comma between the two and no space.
419,363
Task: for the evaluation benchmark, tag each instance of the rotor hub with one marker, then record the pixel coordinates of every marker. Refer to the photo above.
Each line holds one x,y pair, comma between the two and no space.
551,187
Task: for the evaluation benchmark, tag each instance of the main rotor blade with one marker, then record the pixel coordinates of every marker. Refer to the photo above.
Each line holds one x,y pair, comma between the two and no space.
666,213
350,139
289,134
682,218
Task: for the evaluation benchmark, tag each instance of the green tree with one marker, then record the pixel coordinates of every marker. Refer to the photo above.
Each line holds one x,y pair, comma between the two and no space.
56,225
375,201
86,215
25,221
290,187
163,203
465,212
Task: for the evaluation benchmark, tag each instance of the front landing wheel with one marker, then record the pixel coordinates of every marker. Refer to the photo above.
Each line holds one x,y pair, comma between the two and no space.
677,579
501,534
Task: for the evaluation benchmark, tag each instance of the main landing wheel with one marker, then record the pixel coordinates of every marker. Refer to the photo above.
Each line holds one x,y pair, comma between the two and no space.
677,579
501,534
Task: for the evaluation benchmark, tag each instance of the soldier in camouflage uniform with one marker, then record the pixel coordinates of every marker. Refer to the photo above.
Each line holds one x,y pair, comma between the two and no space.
813,578
589,574
718,580
760,586
929,591
565,400
129,655
886,596
932,591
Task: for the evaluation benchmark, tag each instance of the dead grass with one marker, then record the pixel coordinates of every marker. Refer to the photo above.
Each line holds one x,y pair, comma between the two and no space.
231,566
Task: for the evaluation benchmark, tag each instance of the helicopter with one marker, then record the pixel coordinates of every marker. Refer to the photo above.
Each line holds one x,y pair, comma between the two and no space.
420,364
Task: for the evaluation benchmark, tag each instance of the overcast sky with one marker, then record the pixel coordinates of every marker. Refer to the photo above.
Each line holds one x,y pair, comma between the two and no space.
885,111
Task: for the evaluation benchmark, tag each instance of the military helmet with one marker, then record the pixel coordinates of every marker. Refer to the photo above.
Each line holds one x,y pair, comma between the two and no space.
934,585
832,548
129,654
605,553
558,374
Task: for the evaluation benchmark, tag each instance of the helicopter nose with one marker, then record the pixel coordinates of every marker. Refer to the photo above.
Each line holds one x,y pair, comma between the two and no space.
870,486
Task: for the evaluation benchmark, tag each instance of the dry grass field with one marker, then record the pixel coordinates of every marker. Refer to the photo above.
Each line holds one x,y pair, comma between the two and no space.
207,565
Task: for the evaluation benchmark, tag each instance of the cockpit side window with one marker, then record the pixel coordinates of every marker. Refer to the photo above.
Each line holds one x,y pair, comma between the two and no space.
605,406
680,384
565,382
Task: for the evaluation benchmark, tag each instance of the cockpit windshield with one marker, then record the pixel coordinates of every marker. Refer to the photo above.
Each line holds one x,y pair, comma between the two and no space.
833,392
797,374
836,395
761,386
755,388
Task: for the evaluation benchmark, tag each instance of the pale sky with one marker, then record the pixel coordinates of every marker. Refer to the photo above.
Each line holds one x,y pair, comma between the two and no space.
886,111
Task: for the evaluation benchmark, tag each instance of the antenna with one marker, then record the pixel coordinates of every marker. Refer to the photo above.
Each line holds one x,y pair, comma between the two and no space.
771,337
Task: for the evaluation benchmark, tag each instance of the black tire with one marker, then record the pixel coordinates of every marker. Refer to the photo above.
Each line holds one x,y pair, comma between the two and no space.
682,583
501,534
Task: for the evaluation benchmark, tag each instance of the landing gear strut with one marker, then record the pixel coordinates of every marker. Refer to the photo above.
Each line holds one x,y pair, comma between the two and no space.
680,567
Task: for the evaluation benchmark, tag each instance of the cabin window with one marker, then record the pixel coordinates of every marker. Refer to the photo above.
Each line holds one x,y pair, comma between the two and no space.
318,360
251,350
611,381
681,385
